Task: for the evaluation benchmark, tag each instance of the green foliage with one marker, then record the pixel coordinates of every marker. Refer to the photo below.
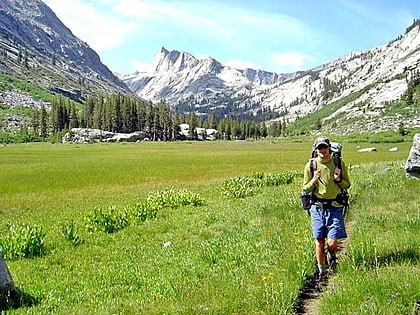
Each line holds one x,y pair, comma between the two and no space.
8,82
20,136
143,211
389,136
382,260
174,198
279,179
239,255
156,201
107,220
70,233
245,186
112,220
241,187
22,241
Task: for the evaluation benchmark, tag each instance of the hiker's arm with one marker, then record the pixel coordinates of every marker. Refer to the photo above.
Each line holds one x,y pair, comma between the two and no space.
345,181
309,182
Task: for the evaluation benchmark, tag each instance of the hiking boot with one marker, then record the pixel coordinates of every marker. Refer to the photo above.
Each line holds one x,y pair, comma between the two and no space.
322,276
320,280
331,260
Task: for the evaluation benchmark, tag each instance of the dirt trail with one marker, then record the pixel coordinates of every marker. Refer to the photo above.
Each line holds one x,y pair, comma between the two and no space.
312,291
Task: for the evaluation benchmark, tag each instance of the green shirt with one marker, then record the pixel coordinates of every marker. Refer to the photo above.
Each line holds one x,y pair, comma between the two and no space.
326,188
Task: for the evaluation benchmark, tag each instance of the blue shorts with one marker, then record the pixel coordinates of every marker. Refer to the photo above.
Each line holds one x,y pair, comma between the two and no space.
327,223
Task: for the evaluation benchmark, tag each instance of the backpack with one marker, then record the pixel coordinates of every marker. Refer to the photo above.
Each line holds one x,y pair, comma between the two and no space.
343,198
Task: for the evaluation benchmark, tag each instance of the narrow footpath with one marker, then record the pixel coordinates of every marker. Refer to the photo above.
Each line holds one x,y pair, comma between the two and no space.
312,291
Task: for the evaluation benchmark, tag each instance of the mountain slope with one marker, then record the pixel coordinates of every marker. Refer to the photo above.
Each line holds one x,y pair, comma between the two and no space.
177,76
385,67
37,46
205,84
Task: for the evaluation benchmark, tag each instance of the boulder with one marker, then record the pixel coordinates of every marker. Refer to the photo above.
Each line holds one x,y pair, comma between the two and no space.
367,150
7,287
86,135
412,165
89,135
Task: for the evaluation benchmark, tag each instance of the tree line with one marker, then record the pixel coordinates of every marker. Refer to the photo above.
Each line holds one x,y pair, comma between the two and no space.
159,122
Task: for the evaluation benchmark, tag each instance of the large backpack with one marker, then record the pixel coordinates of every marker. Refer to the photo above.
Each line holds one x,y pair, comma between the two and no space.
343,198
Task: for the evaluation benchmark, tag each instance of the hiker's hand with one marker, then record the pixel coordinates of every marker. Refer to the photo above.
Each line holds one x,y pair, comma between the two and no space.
317,175
337,174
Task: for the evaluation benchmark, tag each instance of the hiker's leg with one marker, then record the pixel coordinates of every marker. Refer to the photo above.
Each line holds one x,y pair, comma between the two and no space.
321,258
332,245
331,256
320,251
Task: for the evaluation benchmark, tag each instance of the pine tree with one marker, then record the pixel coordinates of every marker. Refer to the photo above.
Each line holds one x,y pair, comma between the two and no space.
212,124
73,121
141,116
35,121
43,123
193,123
263,131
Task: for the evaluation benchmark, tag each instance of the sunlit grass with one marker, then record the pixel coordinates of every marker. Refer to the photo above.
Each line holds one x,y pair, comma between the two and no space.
380,272
242,256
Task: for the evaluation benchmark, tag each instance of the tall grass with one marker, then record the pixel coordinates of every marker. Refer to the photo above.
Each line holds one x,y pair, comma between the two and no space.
204,251
381,269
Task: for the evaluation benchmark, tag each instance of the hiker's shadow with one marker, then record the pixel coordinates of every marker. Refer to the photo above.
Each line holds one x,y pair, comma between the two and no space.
410,256
406,255
16,299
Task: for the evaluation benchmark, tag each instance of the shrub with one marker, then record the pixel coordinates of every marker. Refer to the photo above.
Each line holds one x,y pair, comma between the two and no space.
69,232
241,187
245,186
174,198
279,179
23,241
107,221
143,211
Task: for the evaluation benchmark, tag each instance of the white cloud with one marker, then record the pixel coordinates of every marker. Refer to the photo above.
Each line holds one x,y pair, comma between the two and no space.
291,61
100,30
224,31
189,16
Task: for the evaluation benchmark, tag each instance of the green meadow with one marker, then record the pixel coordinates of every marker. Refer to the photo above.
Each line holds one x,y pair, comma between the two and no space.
200,228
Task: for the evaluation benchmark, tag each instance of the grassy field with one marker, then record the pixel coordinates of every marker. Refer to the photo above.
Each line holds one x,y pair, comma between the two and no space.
223,255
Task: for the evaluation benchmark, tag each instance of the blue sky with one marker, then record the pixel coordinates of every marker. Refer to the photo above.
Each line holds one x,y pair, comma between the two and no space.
274,35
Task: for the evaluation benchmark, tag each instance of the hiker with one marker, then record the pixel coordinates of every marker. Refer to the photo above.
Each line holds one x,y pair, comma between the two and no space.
325,181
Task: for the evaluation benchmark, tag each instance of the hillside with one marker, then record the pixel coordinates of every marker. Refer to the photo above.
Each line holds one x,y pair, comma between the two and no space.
35,46
358,86
364,92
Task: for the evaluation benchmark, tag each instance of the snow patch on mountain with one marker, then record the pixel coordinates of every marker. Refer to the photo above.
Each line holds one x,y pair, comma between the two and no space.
382,71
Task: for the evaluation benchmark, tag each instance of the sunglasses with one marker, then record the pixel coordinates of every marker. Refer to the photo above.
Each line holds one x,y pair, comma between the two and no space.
322,146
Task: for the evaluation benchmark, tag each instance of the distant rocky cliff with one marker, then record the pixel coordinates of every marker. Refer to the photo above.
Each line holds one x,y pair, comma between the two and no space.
35,42
378,76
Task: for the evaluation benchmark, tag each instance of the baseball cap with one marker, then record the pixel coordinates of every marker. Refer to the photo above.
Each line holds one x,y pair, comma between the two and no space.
321,141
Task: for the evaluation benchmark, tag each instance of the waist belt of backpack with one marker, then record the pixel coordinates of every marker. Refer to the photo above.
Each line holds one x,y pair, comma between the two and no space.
325,202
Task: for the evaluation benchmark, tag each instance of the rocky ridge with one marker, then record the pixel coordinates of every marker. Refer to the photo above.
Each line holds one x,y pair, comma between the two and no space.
37,46
381,76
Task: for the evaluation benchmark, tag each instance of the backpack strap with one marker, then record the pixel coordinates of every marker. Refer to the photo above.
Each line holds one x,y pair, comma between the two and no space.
344,196
312,165
337,162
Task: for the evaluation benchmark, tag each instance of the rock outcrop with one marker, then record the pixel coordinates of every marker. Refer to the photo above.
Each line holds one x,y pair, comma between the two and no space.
7,287
88,135
412,165
367,150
